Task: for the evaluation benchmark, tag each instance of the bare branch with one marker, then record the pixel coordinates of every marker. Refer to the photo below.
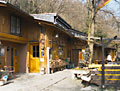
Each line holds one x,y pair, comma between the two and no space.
114,17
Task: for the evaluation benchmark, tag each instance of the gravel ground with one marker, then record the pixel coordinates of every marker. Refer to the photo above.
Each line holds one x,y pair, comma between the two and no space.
58,81
67,84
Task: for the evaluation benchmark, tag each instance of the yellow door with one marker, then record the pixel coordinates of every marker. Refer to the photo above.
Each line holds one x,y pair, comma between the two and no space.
34,58
16,60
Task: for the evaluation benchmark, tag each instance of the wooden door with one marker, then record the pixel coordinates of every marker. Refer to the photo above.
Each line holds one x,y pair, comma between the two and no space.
15,59
81,54
75,57
34,58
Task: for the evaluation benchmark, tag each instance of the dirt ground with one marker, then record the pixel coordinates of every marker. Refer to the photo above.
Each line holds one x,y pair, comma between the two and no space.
58,81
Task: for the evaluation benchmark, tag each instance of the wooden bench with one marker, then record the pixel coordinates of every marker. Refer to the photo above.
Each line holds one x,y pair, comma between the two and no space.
112,75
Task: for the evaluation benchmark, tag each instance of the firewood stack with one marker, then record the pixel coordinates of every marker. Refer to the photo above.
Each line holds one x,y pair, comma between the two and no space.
57,63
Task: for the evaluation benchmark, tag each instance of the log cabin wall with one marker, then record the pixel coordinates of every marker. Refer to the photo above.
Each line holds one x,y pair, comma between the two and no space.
31,35
27,23
58,42
20,55
5,21
6,44
30,30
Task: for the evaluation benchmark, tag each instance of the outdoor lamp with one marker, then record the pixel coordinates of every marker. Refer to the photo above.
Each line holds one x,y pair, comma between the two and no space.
56,35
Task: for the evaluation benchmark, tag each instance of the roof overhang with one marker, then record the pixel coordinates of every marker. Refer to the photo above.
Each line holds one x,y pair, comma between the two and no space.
53,19
14,9
3,4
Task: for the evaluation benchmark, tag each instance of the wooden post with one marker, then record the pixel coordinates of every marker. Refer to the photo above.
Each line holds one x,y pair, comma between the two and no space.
28,58
48,64
103,67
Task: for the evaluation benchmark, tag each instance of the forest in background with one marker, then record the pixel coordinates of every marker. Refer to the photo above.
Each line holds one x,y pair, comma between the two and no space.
74,12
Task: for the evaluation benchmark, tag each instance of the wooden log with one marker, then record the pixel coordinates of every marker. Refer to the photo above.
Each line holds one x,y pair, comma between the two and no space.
95,72
112,67
106,78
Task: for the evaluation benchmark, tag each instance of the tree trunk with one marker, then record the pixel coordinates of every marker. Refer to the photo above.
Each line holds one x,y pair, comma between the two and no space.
91,31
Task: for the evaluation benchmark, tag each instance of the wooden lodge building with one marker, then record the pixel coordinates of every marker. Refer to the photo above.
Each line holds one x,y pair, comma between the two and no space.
31,43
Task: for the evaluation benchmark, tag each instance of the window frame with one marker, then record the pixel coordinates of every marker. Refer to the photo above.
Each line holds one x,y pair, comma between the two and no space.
37,52
16,24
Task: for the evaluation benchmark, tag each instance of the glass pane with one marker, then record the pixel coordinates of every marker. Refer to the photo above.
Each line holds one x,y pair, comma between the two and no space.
34,51
2,51
13,24
34,54
18,26
33,48
38,54
37,48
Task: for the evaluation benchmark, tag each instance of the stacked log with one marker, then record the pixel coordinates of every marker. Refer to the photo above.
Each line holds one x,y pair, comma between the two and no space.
57,63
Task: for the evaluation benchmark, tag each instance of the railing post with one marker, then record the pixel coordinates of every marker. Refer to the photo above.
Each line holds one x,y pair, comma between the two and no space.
103,67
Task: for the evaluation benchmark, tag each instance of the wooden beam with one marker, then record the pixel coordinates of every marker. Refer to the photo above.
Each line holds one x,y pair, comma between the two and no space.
12,38
95,38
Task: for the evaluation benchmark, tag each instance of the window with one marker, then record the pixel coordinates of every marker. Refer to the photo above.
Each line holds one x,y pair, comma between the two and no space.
35,50
15,25
2,51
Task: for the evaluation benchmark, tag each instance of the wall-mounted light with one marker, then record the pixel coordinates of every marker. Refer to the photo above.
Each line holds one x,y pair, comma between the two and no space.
56,35
39,23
